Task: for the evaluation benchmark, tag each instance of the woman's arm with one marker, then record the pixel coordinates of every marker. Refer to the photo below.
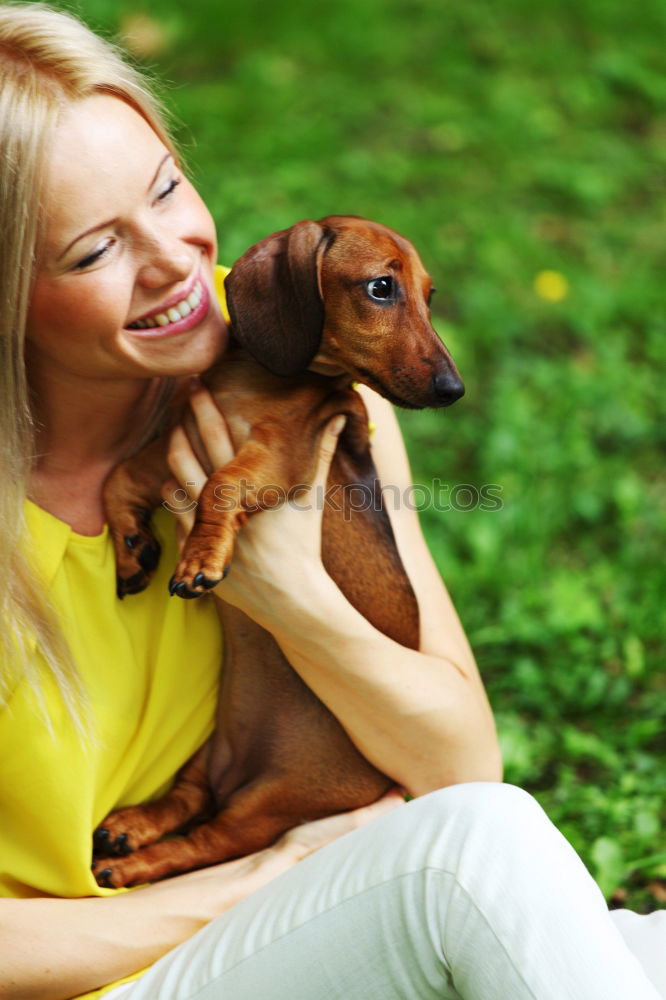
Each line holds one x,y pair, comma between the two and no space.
51,949
420,716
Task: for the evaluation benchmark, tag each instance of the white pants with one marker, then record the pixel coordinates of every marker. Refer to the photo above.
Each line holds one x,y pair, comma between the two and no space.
469,892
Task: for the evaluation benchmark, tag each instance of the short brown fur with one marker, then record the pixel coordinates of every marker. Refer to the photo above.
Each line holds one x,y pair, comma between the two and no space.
301,309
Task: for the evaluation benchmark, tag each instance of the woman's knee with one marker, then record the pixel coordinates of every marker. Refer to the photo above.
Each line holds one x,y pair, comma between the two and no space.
481,817
477,802
472,829
453,830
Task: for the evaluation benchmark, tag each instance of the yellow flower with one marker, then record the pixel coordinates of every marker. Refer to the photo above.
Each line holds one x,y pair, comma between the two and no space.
551,286
143,35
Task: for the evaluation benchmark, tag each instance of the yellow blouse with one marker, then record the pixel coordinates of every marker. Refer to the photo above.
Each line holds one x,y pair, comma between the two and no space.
150,665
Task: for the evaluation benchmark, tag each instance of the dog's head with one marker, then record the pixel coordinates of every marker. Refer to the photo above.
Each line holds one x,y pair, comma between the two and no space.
343,295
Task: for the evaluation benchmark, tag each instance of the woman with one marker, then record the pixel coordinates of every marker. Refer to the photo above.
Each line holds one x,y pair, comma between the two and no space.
105,699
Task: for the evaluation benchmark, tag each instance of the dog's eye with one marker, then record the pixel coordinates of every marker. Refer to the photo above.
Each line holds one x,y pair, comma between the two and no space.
381,288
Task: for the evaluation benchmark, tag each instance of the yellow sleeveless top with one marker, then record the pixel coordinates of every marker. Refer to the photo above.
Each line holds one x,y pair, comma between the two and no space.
150,665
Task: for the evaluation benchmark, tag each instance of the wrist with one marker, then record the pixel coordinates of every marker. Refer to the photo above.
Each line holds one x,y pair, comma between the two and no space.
323,626
306,607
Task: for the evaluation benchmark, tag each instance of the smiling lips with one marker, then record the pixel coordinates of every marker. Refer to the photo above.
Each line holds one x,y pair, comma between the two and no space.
179,316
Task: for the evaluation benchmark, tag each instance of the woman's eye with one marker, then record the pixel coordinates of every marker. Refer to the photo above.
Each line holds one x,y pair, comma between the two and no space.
169,189
381,289
94,257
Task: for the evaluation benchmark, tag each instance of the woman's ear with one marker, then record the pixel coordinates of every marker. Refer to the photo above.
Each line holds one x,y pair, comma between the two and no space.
274,298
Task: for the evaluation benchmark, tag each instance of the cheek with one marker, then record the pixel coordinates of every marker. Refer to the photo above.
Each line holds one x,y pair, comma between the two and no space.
71,314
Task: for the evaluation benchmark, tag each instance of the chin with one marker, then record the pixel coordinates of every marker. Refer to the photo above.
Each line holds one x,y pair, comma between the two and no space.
182,356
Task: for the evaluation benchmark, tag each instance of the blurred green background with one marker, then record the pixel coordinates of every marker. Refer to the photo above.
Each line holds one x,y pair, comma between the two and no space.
522,148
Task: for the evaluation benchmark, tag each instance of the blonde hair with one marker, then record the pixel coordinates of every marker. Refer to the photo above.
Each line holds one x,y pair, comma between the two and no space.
48,59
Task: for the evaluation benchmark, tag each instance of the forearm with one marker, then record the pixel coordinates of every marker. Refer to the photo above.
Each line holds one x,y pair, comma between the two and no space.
421,717
51,949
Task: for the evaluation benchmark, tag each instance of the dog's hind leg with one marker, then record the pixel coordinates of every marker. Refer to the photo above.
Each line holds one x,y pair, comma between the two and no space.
253,819
190,799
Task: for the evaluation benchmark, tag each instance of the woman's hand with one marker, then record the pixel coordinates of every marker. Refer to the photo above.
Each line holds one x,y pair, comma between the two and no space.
274,545
310,837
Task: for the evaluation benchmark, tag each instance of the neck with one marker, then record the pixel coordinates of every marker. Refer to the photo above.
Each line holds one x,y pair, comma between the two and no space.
82,431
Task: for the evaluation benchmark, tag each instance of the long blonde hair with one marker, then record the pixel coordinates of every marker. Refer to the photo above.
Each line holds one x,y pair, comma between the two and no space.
48,59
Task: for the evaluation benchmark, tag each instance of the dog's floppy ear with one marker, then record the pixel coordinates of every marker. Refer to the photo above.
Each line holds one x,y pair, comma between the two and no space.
274,298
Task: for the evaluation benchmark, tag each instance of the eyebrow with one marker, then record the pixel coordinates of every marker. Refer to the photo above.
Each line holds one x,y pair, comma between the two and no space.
107,222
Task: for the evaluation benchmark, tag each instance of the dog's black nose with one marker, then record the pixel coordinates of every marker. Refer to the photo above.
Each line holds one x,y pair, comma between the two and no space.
448,387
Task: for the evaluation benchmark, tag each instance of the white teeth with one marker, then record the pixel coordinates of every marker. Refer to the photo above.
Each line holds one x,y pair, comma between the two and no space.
179,311
194,298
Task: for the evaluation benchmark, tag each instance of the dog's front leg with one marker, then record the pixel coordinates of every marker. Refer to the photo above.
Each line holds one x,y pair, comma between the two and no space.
253,481
131,492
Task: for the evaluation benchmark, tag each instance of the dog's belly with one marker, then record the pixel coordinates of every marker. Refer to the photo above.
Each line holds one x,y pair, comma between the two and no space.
272,730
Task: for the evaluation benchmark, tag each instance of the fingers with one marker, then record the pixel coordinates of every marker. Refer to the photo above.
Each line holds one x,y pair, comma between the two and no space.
327,446
181,493
181,502
212,427
310,837
185,467
189,474
389,801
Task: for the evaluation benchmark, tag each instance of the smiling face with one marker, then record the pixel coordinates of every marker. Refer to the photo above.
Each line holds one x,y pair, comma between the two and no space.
124,281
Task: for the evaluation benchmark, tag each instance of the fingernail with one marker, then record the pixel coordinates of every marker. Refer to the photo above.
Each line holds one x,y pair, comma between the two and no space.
337,424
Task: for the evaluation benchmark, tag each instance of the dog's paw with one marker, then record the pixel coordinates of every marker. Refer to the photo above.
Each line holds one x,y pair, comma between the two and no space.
199,586
125,831
104,875
204,563
106,845
137,552
112,873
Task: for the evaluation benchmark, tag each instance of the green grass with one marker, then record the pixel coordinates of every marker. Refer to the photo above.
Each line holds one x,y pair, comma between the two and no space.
505,139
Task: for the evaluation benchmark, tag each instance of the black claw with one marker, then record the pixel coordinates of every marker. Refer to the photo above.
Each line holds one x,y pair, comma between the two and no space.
121,847
132,584
177,587
187,594
104,878
202,581
101,843
149,557
180,589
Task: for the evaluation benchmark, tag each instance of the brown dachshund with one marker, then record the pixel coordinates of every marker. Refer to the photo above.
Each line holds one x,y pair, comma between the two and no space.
313,309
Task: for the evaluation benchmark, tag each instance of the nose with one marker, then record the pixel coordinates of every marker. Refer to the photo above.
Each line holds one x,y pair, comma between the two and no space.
448,387
165,259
